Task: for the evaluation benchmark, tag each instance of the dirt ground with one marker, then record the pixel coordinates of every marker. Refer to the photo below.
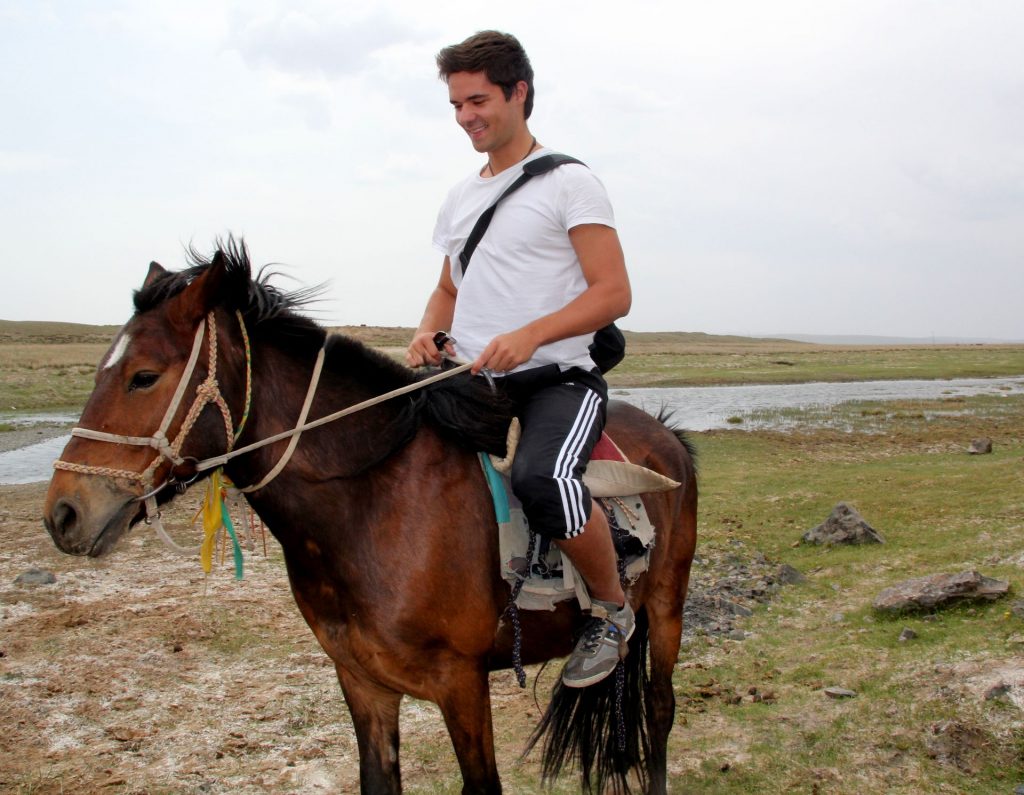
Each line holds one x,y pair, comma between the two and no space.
135,673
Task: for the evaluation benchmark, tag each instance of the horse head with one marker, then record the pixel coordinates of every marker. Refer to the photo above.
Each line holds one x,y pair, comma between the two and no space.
153,412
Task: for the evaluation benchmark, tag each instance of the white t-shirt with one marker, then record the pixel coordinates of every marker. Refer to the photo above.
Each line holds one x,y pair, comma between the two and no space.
525,266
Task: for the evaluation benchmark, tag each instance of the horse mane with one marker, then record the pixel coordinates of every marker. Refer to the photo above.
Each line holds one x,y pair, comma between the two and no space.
462,409
257,299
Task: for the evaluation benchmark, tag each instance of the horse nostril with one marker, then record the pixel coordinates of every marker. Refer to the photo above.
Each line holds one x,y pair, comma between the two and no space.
64,517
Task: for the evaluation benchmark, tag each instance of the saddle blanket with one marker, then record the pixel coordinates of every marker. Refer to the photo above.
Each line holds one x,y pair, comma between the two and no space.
547,574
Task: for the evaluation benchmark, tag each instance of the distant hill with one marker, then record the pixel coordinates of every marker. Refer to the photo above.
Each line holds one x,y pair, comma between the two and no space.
868,339
695,338
52,332
44,331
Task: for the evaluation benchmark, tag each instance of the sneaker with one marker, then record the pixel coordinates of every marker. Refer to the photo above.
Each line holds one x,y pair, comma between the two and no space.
602,646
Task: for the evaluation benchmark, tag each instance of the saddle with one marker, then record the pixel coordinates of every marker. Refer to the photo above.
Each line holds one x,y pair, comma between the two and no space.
547,575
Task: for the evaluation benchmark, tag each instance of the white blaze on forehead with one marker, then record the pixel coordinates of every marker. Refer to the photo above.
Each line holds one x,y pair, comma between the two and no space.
118,350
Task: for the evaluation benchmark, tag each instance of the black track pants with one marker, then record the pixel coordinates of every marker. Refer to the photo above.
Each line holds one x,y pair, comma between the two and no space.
562,416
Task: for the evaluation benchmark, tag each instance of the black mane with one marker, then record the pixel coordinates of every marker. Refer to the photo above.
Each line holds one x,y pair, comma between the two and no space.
256,298
462,408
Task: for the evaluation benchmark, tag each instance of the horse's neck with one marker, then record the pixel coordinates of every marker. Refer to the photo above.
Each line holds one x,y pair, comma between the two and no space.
343,448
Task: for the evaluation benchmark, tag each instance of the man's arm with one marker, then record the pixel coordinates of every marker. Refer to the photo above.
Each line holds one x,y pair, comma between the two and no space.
436,317
606,298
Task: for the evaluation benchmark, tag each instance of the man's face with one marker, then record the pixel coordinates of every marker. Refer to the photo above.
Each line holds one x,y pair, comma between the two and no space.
481,109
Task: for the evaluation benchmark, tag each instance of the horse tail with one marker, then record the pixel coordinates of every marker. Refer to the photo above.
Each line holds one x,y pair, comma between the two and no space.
584,729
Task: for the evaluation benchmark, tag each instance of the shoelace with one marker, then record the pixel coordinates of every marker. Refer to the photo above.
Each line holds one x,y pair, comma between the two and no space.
595,631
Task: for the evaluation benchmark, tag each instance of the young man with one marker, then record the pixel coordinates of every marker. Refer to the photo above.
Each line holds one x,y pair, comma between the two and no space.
548,272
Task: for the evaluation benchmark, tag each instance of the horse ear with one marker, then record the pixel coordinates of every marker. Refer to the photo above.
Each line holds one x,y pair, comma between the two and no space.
155,270
202,294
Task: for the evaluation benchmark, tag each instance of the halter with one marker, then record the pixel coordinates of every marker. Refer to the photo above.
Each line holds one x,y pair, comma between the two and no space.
206,392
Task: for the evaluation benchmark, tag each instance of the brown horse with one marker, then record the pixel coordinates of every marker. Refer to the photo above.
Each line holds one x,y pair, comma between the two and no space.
386,524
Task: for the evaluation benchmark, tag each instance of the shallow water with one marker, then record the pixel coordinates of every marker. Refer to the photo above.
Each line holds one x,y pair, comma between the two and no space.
708,408
694,408
31,464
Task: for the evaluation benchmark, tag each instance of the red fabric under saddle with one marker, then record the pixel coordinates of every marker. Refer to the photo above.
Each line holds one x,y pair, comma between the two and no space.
606,450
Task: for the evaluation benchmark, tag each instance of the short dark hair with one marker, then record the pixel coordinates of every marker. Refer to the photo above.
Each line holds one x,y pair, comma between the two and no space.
499,55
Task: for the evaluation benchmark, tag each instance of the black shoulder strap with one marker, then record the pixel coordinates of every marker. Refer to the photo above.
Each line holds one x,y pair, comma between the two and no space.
542,165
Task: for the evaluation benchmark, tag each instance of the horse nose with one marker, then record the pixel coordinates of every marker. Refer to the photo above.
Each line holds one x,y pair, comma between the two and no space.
63,519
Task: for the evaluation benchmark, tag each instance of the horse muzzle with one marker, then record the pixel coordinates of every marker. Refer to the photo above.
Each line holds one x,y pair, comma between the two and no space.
88,517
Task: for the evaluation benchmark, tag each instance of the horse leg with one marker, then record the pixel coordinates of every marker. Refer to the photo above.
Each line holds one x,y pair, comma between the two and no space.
466,706
665,614
375,716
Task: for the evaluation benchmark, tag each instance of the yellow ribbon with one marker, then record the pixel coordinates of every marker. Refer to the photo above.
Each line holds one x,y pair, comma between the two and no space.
215,516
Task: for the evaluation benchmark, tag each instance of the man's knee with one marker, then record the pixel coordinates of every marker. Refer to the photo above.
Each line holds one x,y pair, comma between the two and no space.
554,507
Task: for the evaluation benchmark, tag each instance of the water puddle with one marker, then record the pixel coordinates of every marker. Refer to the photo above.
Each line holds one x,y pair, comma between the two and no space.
31,464
764,406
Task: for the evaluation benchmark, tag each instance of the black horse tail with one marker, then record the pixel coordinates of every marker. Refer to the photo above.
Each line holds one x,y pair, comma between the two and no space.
584,729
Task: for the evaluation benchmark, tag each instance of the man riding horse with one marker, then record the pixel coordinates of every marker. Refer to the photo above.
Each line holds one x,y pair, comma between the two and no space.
548,274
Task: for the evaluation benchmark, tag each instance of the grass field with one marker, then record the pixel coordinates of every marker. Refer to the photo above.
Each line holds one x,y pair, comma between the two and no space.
940,510
753,716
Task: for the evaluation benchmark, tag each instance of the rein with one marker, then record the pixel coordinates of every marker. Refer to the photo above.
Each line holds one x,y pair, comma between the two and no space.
209,392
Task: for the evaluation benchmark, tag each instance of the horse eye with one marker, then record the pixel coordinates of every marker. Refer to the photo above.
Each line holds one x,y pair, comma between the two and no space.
143,380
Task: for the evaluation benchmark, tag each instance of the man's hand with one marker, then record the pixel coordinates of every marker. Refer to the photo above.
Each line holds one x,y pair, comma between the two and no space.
422,350
507,351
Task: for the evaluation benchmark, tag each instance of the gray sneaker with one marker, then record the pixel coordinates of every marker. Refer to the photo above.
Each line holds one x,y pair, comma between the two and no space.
602,646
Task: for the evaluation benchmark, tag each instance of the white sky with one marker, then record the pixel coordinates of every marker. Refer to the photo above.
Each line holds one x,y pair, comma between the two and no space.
817,167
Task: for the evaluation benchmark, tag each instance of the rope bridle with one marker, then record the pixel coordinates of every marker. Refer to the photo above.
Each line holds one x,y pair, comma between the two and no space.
208,391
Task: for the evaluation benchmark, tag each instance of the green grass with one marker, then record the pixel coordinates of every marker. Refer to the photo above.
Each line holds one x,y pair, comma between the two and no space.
939,510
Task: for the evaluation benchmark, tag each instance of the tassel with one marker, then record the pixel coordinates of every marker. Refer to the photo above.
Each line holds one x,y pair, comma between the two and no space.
215,516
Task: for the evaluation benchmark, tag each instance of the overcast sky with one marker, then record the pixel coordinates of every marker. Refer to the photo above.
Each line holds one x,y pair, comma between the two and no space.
817,167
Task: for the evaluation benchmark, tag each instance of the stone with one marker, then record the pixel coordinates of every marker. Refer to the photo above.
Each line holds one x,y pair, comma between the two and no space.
1017,608
907,634
939,590
843,526
787,575
980,446
997,691
35,576
734,608
957,744
840,692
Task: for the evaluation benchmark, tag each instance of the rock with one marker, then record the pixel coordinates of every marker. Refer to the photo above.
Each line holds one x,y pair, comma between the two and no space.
35,576
1017,608
840,692
997,691
838,618
907,634
939,590
735,608
957,744
737,634
787,575
980,446
843,526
